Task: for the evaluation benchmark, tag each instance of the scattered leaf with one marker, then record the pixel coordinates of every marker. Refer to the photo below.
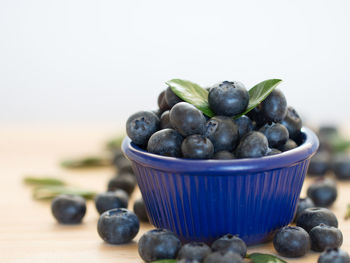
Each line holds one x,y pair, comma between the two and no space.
51,191
87,162
165,261
265,258
347,214
37,181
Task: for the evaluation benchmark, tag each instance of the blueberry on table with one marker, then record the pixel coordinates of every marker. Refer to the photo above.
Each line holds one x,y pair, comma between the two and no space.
197,147
228,98
158,244
165,120
165,142
323,236
231,243
272,151
187,119
292,242
289,145
274,107
125,167
110,200
276,134
319,163
224,155
194,251
223,257
119,160
140,210
312,217
68,209
126,182
244,125
118,226
162,104
140,126
253,144
334,255
323,192
303,204
171,98
222,132
292,122
341,166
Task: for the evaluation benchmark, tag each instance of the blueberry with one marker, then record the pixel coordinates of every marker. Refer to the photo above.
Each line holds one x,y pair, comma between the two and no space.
323,192
323,237
334,255
274,107
312,217
197,147
273,151
253,144
292,122
68,209
289,145
119,160
140,210
319,163
187,119
162,104
157,112
118,226
165,142
125,167
126,182
223,257
141,125
328,131
303,204
292,242
222,132
341,166
194,251
224,155
228,98
109,200
276,134
232,243
244,125
171,98
158,244
165,120
257,116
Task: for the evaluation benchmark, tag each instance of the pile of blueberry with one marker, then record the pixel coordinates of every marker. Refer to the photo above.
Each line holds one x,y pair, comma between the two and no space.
179,129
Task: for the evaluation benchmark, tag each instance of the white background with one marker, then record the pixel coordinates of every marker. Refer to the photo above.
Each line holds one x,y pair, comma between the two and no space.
82,61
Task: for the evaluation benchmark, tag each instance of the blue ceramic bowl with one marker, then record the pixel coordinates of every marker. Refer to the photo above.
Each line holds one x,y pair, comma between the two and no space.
201,200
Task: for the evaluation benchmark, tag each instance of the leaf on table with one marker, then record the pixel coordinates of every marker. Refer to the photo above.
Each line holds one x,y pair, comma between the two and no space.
347,214
165,261
87,162
51,191
265,258
37,181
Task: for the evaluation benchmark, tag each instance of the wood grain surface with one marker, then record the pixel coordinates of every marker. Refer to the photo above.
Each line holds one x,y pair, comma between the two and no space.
28,232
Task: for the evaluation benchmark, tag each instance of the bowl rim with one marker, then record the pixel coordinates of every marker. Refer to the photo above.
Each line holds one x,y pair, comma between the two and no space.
245,165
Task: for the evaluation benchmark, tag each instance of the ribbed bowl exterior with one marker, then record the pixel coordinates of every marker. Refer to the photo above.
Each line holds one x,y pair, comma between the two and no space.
204,203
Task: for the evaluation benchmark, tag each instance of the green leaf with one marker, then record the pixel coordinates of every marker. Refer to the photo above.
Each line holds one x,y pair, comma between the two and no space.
191,93
87,162
51,191
165,261
260,92
115,143
265,258
42,181
347,213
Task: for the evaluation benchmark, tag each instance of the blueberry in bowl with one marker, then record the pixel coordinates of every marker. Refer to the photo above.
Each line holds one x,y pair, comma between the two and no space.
201,195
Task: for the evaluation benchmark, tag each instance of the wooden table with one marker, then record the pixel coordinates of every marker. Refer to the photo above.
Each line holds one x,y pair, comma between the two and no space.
28,232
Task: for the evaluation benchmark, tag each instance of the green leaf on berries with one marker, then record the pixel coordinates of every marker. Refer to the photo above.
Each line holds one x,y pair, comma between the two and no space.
191,93
165,261
264,258
260,92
